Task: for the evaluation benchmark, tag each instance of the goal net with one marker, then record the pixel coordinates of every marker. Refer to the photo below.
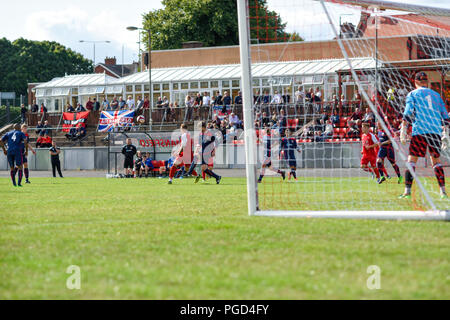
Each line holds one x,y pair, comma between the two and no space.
323,83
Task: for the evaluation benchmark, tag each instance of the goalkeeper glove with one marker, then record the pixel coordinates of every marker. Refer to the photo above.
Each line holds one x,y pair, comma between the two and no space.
403,133
445,139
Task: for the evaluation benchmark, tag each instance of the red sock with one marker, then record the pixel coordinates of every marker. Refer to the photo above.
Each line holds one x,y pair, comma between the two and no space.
377,173
203,175
172,172
385,172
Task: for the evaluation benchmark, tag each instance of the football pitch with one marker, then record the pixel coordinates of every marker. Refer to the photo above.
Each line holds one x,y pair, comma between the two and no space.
144,239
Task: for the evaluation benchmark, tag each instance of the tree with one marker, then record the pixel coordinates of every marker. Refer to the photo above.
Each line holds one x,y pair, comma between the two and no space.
213,22
24,61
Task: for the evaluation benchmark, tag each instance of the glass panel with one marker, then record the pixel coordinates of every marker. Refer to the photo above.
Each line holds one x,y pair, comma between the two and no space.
236,83
74,90
204,85
146,87
165,86
129,88
194,85
225,84
156,87
56,104
175,86
166,94
256,82
138,88
265,82
214,84
185,86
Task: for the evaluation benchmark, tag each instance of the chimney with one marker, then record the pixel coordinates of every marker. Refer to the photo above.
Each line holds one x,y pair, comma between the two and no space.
110,61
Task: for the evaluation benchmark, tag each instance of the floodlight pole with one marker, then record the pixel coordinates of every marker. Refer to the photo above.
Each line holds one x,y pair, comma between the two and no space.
94,43
150,118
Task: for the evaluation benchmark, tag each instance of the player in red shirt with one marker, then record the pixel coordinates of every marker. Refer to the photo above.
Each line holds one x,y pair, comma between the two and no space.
183,153
369,152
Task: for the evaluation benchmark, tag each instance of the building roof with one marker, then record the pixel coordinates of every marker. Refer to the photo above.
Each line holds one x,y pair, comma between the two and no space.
406,24
260,70
116,69
81,80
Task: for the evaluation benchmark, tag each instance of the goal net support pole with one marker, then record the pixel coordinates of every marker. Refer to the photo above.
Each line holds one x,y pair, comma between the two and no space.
250,134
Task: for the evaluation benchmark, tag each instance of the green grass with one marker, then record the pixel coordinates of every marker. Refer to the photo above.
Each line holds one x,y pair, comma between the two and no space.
144,239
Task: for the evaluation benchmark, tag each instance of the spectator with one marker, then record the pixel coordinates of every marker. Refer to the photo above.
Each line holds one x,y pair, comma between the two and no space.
105,104
318,95
43,108
282,121
89,105
69,108
335,119
328,133
130,103
369,117
198,103
81,131
122,104
357,100
206,99
189,102
258,98
324,116
80,108
96,105
277,99
44,142
266,98
146,103
39,127
355,118
299,95
218,99
234,121
216,120
354,131
114,104
72,134
226,100
34,107
159,102
265,120
238,99
23,113
46,128
139,103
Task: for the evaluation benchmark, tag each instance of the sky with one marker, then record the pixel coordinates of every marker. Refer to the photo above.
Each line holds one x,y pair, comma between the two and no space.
69,22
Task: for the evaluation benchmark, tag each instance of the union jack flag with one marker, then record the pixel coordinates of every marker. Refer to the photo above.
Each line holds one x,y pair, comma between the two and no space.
115,119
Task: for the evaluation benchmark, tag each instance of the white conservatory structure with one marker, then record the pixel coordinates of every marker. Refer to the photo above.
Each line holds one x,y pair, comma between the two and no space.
175,83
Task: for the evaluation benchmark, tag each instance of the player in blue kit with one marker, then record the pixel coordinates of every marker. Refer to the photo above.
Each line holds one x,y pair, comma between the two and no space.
24,157
426,111
14,140
288,148
386,151
267,160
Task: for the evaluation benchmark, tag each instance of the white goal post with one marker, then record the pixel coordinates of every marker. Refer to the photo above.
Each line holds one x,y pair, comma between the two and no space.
325,184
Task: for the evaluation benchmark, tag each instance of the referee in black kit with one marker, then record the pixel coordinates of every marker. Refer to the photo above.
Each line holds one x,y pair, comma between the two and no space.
129,151
54,155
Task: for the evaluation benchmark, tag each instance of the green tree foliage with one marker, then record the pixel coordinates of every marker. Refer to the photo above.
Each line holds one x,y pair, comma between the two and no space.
213,22
25,61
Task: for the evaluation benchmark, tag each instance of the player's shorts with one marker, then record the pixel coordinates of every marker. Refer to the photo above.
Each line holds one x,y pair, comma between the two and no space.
421,143
387,152
267,162
24,159
128,164
366,160
292,162
206,159
15,159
